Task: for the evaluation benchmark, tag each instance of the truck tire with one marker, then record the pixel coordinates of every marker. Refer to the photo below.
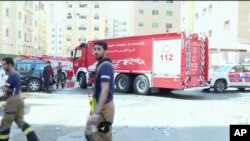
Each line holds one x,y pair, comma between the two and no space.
220,86
141,85
34,85
83,81
123,83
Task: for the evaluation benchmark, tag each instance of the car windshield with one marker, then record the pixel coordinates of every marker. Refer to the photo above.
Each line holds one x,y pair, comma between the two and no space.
223,68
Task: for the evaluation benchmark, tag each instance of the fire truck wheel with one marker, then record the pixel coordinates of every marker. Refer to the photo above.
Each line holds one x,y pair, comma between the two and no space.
220,86
123,83
34,85
83,81
141,85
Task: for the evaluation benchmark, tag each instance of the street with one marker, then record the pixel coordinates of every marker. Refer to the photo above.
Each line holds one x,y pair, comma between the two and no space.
183,116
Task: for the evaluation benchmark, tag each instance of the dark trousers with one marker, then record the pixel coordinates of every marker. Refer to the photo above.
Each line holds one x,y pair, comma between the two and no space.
46,84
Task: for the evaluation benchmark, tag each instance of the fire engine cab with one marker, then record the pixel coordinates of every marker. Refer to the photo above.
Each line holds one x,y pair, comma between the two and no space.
141,63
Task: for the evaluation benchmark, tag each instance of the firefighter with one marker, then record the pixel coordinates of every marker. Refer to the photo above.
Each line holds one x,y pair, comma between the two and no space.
59,76
98,127
47,76
14,108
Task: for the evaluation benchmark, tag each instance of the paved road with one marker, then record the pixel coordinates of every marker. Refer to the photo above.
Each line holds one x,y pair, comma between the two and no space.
183,116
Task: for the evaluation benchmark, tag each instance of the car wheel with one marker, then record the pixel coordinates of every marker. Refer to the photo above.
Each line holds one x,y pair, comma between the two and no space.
34,85
241,89
123,83
220,86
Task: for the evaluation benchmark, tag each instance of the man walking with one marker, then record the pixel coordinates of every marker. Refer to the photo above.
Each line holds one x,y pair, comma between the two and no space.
102,114
14,109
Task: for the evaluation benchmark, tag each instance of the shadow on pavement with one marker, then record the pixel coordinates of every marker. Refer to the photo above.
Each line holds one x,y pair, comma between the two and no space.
127,133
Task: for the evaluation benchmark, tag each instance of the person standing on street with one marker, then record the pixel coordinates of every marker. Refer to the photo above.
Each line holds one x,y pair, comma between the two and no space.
14,109
59,76
98,127
46,77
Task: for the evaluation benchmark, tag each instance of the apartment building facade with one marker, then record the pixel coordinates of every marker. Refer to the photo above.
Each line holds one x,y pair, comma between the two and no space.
22,27
82,21
227,24
149,17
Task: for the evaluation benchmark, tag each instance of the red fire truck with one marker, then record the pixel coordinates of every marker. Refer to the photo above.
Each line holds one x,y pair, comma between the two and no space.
163,61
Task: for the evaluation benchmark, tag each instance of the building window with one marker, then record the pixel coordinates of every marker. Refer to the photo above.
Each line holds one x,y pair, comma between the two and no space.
19,34
169,1
25,19
183,20
140,24
60,42
196,16
69,5
69,17
82,28
168,25
53,35
155,25
155,12
124,23
53,42
204,12
96,28
53,29
68,39
7,12
69,28
19,15
96,5
169,13
140,11
35,23
210,7
96,17
227,25
35,39
210,33
25,37
83,5
7,32
82,17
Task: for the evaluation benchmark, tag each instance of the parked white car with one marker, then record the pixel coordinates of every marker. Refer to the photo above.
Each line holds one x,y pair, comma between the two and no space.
2,76
230,75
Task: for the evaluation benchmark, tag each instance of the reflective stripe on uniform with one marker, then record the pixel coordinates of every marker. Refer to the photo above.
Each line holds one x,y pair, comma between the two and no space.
28,130
105,76
4,136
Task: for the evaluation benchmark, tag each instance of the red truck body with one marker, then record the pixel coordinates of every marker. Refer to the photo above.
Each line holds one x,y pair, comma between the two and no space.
168,60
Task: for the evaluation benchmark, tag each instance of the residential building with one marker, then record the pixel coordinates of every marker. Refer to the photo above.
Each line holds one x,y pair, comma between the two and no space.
22,27
148,17
82,21
228,30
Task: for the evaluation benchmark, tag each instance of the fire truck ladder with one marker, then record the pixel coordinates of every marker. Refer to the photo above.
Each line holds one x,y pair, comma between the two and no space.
202,66
188,77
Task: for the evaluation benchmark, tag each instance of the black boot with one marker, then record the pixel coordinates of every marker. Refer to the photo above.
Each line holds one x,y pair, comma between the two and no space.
29,132
4,135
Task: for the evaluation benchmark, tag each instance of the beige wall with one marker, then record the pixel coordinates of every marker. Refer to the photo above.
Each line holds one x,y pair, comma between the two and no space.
244,22
147,19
